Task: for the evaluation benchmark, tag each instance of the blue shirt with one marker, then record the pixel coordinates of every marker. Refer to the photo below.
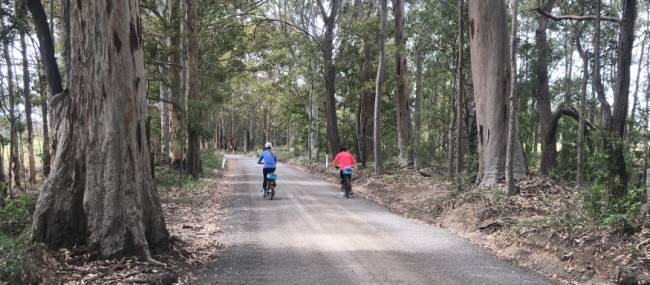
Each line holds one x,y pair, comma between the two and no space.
269,159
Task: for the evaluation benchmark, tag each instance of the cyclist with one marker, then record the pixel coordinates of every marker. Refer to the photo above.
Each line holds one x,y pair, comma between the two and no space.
345,160
270,159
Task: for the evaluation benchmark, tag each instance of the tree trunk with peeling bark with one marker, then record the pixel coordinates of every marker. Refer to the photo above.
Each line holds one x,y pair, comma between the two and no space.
101,192
490,74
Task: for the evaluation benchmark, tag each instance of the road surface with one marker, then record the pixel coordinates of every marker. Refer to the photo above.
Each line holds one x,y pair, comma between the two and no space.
309,235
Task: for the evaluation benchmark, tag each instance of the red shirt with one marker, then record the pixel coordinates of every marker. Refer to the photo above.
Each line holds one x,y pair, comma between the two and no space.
345,159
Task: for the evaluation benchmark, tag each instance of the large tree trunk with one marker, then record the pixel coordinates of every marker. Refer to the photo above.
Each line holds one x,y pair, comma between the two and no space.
490,74
327,48
28,111
101,193
191,93
549,152
402,94
14,158
378,88
176,126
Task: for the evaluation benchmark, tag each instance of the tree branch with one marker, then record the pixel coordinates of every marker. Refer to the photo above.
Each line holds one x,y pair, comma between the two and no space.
292,25
576,17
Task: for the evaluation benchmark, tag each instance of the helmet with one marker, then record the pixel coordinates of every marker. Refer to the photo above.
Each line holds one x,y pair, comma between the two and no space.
268,145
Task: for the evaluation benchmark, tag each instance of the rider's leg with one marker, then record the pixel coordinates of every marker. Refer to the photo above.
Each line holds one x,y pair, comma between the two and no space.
266,171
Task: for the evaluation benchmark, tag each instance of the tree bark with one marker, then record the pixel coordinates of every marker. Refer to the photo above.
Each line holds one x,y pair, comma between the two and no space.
191,92
327,48
417,115
490,75
101,193
378,88
402,94
176,126
621,88
548,159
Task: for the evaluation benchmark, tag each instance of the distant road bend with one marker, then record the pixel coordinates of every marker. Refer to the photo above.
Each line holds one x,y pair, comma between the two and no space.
309,235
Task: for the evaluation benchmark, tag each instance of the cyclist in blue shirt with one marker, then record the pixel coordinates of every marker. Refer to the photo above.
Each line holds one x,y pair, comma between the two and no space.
270,159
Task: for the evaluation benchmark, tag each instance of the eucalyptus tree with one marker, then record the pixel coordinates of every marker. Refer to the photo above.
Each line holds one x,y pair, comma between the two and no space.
101,191
490,75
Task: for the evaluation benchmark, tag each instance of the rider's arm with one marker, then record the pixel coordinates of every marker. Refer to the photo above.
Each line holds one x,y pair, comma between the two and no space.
260,160
336,159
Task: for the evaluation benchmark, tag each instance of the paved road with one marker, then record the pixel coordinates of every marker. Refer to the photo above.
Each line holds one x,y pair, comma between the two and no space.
308,235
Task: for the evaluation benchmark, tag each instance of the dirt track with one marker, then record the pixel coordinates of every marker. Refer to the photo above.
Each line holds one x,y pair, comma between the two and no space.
309,235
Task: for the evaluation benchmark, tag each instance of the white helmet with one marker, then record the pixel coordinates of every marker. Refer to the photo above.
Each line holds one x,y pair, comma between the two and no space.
268,145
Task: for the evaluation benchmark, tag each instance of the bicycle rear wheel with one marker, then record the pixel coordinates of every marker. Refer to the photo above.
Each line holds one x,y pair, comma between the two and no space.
347,186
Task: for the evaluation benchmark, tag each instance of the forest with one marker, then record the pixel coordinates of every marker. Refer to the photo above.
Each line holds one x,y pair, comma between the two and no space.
102,100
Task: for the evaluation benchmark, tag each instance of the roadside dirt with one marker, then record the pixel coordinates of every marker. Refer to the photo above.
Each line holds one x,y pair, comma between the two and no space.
193,218
542,229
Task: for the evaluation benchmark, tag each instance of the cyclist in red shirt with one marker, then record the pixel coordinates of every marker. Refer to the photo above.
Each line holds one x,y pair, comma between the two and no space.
344,160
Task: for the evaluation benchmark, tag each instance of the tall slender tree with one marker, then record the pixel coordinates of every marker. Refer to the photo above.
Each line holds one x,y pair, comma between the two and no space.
402,93
512,120
27,98
378,87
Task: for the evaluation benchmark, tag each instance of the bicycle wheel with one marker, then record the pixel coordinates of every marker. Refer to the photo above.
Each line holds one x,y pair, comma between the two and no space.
347,186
